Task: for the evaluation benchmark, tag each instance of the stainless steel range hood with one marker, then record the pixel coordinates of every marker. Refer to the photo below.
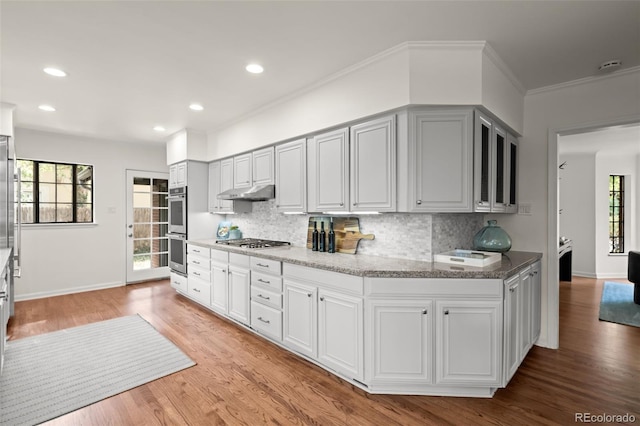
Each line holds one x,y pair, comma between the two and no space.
255,193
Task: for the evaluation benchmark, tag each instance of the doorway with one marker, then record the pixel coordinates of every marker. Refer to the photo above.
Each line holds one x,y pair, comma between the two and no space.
147,225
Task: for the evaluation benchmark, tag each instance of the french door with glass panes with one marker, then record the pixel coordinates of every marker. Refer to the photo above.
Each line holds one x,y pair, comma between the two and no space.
147,224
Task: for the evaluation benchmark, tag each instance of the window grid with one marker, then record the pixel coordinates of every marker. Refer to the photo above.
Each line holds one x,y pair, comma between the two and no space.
616,214
56,192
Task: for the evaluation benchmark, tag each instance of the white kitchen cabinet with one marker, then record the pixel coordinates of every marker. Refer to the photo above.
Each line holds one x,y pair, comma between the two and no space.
266,297
512,323
179,282
512,178
239,290
291,176
340,333
328,171
400,348
495,167
373,165
524,299
440,161
536,289
219,286
4,310
468,342
178,175
242,171
300,325
221,179
262,166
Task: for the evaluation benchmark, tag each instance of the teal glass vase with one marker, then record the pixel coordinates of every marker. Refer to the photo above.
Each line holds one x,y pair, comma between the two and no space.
492,238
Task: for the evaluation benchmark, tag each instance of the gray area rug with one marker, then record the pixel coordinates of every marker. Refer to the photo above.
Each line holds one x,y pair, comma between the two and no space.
52,374
617,304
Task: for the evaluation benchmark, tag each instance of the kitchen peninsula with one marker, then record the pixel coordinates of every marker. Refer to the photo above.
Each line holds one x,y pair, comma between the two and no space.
385,325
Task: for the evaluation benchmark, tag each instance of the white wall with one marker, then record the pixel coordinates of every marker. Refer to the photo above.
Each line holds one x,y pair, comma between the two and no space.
588,102
577,201
58,259
613,266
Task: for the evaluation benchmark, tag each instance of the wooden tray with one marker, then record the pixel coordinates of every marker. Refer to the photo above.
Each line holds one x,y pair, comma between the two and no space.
347,230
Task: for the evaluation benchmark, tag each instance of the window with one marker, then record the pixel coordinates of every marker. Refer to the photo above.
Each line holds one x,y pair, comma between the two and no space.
616,214
56,192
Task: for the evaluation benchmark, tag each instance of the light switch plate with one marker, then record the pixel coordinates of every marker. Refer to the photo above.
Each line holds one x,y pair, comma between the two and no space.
524,209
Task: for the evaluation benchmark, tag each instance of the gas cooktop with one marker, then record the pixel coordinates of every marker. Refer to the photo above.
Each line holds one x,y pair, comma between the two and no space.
253,243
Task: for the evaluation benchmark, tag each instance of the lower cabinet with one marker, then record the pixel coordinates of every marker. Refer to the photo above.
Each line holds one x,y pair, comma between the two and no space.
468,342
340,331
300,329
401,341
219,286
239,296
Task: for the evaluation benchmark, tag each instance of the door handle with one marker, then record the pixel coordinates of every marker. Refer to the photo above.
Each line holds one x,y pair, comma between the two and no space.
130,235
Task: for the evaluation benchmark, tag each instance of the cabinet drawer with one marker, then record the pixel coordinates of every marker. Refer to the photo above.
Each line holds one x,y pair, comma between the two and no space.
268,266
199,272
179,282
266,297
200,290
241,260
266,320
198,251
266,281
220,256
198,262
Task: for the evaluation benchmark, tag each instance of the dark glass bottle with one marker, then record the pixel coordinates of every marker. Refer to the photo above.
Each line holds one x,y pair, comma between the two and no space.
314,237
331,246
323,238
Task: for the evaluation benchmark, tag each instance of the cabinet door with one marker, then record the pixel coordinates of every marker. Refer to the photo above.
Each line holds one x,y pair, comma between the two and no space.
373,165
239,296
242,176
173,176
300,332
214,186
535,301
226,183
441,168
263,164
469,342
181,174
499,170
512,171
511,327
291,176
340,333
328,162
399,337
482,163
524,299
219,286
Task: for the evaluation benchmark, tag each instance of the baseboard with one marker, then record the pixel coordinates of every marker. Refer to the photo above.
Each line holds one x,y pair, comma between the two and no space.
613,275
43,294
584,274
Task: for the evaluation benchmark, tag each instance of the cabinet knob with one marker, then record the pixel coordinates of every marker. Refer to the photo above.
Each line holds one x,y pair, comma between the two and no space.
355,204
341,204
512,289
424,312
322,299
419,202
277,206
446,312
308,294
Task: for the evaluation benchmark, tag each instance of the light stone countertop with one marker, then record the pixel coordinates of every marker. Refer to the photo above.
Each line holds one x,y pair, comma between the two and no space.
378,266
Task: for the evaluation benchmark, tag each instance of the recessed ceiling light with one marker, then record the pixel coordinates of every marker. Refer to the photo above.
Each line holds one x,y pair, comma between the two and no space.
47,108
55,72
254,68
196,107
159,129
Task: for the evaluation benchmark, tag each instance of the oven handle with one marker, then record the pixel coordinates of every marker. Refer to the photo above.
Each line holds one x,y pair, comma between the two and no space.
176,236
176,197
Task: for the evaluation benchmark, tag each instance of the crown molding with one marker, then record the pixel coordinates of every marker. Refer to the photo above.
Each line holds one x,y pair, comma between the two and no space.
580,81
502,66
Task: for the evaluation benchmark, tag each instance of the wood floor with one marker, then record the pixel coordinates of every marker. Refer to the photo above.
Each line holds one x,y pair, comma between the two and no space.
240,378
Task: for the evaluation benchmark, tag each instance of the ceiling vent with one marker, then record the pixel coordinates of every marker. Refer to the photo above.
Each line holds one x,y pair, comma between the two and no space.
610,65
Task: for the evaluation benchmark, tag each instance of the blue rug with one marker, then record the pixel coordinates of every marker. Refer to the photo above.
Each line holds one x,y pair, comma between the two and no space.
617,304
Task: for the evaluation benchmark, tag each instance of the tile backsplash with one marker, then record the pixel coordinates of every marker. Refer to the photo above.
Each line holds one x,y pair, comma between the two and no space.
398,235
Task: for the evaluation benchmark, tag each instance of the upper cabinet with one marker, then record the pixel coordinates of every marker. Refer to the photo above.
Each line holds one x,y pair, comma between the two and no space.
354,169
373,165
178,175
253,168
328,173
495,167
220,180
439,156
291,176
